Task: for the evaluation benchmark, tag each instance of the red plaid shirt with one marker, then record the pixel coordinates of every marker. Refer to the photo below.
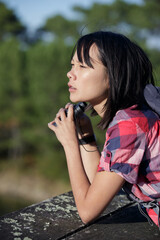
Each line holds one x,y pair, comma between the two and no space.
132,150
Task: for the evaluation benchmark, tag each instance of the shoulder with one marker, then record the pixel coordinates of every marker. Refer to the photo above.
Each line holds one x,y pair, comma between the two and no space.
134,118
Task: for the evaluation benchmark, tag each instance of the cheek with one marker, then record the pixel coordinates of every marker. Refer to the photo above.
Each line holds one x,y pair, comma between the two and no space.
94,90
94,84
101,88
100,83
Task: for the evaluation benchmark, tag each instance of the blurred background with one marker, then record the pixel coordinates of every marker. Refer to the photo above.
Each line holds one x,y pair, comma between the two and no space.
36,41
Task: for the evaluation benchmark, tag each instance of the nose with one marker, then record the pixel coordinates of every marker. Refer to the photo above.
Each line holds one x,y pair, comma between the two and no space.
71,75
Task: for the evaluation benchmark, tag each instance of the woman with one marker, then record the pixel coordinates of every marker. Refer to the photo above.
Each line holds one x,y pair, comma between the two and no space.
110,73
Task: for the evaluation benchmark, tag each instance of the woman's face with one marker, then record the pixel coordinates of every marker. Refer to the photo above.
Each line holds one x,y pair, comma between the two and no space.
85,83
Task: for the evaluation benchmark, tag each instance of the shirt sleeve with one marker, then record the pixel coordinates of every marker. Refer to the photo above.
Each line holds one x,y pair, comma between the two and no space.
123,150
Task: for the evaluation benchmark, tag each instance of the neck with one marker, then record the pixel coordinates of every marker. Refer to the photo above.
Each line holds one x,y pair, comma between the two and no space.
99,107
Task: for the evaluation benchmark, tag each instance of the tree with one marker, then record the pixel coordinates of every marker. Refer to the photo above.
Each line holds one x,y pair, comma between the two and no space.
9,23
61,28
34,83
140,22
11,79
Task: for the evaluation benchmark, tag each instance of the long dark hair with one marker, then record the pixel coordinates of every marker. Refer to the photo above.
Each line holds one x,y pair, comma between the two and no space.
128,68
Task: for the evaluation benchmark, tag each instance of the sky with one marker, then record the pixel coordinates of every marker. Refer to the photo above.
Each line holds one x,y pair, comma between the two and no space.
33,13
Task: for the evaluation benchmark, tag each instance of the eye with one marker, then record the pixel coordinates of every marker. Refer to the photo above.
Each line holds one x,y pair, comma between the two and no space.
82,66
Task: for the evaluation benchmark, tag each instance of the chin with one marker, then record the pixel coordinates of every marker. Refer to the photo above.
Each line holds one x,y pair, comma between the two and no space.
75,99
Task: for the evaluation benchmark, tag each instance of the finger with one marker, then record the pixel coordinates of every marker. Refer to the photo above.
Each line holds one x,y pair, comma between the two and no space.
70,112
59,112
52,125
67,105
63,115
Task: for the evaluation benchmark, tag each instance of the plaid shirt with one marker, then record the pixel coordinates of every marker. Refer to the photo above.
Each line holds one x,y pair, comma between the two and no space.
132,150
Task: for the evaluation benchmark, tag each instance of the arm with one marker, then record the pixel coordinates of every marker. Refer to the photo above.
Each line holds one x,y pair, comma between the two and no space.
90,154
91,199
90,160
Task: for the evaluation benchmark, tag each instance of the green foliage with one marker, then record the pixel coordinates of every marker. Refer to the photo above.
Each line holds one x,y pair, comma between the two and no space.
61,27
9,23
135,21
10,72
11,76
34,83
141,23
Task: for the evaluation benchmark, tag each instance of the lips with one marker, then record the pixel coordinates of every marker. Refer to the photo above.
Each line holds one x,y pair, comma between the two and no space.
71,88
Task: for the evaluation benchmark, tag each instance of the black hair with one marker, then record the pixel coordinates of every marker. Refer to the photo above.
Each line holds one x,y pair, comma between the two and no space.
128,68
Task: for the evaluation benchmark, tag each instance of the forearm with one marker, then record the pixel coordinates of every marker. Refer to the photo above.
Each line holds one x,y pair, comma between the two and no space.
78,178
104,187
87,193
90,158
89,153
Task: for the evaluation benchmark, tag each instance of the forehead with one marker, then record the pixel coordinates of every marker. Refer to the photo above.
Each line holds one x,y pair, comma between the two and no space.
91,54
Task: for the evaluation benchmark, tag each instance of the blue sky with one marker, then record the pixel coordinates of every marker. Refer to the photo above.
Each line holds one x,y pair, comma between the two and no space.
33,13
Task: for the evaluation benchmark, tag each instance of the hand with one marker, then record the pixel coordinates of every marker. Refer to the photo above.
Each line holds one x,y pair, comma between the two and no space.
64,126
83,125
